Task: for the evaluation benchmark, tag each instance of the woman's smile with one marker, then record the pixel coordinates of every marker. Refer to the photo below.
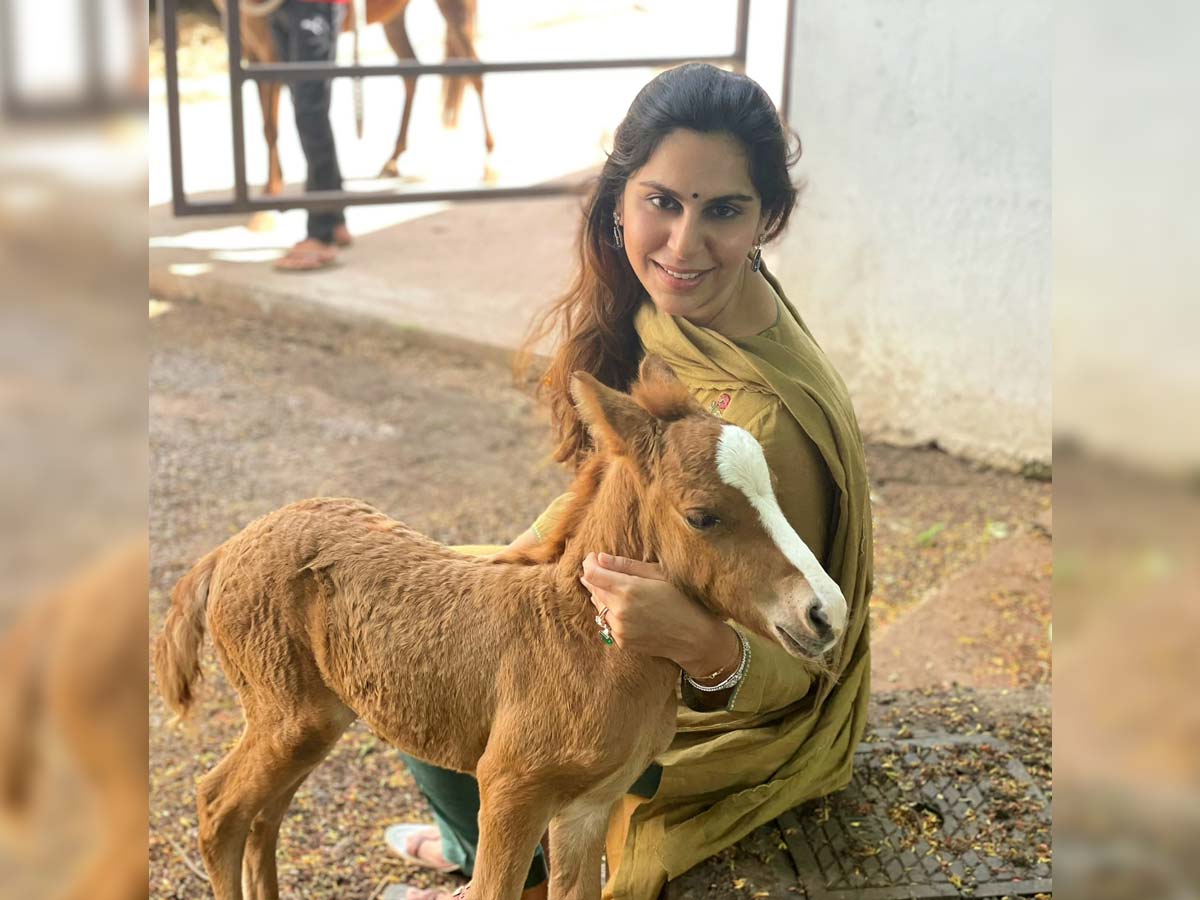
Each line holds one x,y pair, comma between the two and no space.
680,279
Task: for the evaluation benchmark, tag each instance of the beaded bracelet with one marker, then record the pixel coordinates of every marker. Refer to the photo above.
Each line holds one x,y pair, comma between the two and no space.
738,674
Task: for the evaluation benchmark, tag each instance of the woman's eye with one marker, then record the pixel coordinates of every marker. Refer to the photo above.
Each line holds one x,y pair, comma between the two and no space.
662,202
725,212
702,521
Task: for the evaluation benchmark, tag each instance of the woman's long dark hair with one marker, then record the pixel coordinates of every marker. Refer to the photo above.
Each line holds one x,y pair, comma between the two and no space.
593,320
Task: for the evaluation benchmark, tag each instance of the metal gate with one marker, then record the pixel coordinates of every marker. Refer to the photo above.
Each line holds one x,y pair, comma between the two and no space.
240,73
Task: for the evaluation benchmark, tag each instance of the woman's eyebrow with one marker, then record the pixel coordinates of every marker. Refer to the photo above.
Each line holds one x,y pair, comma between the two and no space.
724,198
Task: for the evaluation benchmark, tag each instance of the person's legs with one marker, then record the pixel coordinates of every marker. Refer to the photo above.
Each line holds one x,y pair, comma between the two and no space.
307,32
454,798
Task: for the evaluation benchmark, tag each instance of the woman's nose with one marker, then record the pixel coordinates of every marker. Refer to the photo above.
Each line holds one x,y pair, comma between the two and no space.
687,237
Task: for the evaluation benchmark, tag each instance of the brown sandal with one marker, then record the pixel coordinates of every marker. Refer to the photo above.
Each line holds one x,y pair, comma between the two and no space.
308,256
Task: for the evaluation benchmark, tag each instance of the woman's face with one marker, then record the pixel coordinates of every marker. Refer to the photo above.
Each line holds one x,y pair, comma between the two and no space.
690,216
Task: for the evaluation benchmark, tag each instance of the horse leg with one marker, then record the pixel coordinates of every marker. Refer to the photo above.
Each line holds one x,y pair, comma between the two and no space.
268,98
397,37
260,879
514,812
272,756
577,836
455,15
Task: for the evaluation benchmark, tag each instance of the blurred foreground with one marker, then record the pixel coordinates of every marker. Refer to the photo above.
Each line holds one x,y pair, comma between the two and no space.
72,444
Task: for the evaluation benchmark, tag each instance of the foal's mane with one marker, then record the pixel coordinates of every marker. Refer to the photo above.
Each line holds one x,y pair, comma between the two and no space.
665,400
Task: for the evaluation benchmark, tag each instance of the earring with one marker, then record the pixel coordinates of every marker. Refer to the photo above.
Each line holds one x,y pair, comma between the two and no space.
756,257
618,234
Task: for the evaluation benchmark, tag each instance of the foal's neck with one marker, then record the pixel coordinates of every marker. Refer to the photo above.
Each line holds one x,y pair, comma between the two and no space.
612,523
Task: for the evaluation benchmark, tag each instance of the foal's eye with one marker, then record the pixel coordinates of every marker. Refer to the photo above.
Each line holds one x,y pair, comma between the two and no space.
702,521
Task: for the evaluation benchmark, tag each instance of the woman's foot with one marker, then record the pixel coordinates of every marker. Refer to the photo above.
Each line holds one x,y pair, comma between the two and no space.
341,236
420,845
407,892
307,256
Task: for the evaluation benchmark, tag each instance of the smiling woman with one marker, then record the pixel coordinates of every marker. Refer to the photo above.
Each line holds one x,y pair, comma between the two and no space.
690,254
670,264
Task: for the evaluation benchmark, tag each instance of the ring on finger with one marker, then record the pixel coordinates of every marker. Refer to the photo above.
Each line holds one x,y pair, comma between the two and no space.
605,630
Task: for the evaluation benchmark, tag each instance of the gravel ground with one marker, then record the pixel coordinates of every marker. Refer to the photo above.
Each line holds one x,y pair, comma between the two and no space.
249,413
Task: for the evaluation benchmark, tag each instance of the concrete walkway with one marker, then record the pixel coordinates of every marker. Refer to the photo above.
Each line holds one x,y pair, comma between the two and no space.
468,275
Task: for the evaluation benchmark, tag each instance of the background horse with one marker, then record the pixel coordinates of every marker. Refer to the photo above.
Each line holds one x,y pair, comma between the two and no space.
460,15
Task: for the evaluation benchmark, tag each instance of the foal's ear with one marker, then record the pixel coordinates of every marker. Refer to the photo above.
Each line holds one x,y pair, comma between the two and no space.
660,392
616,422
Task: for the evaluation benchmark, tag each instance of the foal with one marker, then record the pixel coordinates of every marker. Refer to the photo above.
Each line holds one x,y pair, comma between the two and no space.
327,610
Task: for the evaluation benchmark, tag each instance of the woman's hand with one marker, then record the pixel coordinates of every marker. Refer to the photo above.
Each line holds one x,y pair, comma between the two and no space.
646,614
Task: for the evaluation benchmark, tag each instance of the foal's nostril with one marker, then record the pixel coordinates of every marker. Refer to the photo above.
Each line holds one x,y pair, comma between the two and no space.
819,619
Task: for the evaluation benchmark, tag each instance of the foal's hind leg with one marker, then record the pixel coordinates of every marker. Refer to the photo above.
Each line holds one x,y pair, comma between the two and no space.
260,878
268,762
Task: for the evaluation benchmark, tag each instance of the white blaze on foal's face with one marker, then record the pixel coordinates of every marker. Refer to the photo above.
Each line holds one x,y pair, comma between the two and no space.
809,611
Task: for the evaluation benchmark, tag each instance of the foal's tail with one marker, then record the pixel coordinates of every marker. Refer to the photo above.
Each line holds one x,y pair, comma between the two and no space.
177,650
460,44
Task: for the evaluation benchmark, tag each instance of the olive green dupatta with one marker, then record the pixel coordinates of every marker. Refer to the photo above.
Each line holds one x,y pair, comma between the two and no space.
806,749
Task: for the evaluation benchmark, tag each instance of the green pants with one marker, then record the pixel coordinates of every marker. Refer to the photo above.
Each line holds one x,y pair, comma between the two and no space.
454,798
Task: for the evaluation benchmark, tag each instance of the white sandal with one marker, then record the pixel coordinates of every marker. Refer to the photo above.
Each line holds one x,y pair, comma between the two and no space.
397,838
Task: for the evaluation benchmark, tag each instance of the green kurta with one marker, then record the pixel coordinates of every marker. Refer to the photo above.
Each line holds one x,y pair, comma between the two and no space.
786,737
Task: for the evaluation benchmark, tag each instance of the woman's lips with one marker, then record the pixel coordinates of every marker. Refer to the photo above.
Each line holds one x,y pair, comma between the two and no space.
679,283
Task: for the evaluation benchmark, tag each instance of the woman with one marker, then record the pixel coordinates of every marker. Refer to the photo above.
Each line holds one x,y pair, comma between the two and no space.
670,263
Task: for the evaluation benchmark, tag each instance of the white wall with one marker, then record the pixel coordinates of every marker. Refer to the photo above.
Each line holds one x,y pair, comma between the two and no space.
920,253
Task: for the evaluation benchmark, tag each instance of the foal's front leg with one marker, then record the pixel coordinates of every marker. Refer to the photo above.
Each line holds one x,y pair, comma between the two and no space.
514,812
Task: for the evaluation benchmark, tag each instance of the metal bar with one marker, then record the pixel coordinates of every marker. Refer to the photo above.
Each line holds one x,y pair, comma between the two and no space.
741,40
328,199
239,74
8,58
170,38
285,71
96,87
233,27
785,96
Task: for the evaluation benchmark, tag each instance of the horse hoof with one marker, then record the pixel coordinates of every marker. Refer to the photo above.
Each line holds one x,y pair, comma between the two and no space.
390,170
263,220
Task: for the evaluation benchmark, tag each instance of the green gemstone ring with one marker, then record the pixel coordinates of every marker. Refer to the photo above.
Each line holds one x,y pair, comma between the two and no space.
605,631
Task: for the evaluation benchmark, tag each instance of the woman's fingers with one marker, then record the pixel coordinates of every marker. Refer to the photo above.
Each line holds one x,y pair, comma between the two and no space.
627,566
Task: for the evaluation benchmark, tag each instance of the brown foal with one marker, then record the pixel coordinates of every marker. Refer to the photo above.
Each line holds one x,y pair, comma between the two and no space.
328,610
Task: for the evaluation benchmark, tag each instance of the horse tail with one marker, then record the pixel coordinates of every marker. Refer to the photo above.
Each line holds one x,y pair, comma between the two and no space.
22,703
177,649
460,44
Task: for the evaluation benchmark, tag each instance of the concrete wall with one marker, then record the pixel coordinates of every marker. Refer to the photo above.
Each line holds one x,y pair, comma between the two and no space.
920,253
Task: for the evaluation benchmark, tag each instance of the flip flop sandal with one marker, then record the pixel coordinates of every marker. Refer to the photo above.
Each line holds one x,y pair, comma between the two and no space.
402,892
397,838
307,259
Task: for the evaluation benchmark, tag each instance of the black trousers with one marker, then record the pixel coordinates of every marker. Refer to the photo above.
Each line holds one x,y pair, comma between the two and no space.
307,32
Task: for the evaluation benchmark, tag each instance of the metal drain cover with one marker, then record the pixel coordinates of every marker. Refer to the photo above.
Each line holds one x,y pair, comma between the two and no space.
946,816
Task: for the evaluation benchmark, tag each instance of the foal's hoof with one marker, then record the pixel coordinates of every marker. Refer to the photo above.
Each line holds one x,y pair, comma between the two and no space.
391,169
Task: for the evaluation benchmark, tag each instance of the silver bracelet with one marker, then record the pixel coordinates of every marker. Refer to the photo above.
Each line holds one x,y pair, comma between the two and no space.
738,674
